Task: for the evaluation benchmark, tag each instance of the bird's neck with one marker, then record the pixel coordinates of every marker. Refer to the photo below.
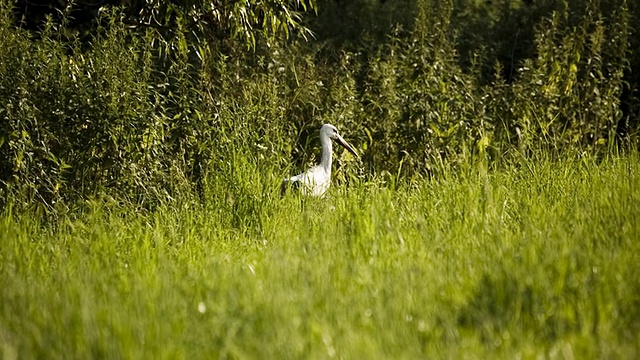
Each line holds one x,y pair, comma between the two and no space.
326,154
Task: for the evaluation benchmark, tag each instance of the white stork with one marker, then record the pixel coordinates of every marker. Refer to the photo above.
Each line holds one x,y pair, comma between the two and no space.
316,180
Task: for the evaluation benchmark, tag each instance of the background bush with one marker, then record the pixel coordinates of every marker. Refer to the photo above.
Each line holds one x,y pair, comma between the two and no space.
184,104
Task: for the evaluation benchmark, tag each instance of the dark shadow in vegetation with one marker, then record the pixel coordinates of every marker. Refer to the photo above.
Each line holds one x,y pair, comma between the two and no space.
500,31
362,24
503,301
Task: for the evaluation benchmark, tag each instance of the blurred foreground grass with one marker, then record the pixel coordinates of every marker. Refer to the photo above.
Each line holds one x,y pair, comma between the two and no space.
537,260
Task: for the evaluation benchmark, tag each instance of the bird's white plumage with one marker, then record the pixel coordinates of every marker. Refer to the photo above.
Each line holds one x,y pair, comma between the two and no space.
314,182
317,180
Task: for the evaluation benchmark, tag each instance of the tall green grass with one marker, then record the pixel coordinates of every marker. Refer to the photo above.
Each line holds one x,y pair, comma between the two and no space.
537,260
151,114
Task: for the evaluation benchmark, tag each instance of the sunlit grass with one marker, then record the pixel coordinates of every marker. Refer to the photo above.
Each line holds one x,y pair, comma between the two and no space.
537,260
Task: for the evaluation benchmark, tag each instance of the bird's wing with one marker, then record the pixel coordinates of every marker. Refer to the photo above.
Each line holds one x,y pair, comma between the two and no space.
294,183
302,177
314,181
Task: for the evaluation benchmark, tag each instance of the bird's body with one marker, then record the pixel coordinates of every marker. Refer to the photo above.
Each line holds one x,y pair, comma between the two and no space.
317,180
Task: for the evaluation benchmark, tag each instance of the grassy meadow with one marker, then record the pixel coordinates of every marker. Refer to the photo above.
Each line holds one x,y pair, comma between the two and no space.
493,213
539,260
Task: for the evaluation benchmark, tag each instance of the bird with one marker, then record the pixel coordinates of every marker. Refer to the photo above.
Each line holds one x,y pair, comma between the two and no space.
316,180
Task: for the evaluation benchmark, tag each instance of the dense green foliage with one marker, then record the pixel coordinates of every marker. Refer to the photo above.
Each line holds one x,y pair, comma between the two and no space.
538,261
493,212
165,111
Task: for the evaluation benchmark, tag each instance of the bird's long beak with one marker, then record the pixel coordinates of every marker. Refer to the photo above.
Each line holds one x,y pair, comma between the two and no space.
346,145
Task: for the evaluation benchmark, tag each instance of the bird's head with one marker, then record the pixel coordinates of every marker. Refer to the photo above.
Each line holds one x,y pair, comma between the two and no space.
332,133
